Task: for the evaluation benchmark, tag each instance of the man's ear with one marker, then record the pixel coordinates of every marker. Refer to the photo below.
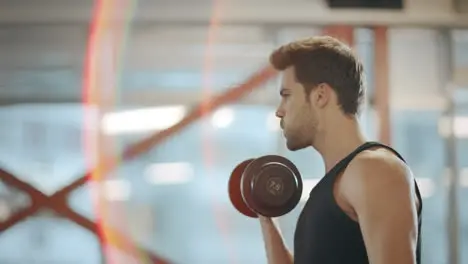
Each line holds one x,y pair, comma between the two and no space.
321,95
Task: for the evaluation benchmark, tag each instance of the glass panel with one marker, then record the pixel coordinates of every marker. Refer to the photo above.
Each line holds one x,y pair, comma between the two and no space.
44,149
461,128
181,189
364,46
39,153
12,201
460,38
460,57
81,201
415,134
462,146
51,80
46,239
184,80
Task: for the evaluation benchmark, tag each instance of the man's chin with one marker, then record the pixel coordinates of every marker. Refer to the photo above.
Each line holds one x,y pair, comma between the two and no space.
294,147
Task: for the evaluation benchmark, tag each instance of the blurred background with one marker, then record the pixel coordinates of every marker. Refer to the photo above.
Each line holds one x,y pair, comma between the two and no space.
81,82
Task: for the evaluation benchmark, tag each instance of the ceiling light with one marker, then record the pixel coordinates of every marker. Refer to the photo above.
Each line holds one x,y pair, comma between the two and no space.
222,118
169,173
142,120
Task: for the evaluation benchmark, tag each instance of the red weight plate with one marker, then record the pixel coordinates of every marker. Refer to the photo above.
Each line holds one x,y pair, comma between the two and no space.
235,190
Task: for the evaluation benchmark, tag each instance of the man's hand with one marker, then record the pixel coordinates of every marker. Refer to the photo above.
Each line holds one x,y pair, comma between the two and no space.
276,250
380,188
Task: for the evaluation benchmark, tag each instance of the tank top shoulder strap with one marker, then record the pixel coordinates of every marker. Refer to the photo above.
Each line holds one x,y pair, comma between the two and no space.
341,165
370,144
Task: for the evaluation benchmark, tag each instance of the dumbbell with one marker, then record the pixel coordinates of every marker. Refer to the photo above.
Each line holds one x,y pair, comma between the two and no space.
270,186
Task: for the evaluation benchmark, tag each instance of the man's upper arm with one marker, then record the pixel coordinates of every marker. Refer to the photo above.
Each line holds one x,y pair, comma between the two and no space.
381,192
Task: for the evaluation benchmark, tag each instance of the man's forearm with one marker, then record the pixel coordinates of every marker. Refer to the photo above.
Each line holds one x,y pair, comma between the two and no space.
276,250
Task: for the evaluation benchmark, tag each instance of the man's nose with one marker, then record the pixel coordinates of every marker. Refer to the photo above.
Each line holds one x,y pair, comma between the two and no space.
279,113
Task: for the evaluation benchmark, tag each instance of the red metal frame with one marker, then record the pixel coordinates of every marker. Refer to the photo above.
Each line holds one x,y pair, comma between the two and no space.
58,203
58,200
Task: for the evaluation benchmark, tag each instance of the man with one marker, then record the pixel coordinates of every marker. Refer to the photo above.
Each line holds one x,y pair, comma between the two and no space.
367,208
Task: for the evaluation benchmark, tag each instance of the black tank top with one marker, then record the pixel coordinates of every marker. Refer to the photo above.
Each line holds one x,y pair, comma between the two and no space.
325,234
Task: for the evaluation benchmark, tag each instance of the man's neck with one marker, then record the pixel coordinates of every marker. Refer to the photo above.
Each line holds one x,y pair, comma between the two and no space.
337,141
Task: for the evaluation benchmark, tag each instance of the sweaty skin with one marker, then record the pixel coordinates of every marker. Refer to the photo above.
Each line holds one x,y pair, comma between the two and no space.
376,190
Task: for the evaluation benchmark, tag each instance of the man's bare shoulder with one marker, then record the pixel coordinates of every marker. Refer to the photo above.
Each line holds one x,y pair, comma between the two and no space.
377,172
380,189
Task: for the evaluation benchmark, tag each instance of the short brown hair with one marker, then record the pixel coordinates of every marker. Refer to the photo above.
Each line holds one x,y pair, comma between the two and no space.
324,59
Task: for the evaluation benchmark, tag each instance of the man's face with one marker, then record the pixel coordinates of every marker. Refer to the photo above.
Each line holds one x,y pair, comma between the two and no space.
298,119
